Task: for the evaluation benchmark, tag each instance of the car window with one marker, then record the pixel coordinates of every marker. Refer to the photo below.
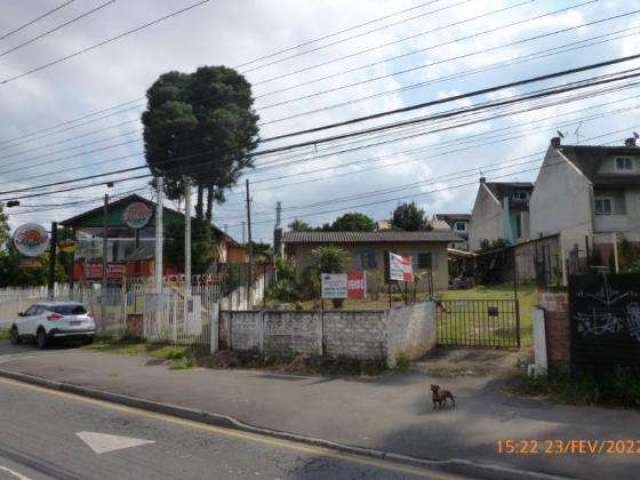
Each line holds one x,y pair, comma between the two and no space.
31,311
69,309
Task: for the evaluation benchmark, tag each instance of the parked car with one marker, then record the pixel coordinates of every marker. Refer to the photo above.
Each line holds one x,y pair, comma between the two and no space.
46,321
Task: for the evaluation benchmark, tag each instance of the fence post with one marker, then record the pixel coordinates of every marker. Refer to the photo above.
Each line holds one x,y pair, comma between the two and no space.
215,322
261,334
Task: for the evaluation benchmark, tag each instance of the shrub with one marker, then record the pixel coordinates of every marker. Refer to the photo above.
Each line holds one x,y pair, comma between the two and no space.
283,290
327,259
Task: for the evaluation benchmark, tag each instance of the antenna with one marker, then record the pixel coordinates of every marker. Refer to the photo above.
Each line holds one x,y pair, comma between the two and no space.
560,134
635,134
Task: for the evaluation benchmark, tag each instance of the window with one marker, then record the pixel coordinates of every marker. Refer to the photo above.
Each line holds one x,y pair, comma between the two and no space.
368,260
69,310
31,311
624,164
604,206
520,195
424,260
461,227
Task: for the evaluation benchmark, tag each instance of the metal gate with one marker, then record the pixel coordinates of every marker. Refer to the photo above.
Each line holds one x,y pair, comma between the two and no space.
479,323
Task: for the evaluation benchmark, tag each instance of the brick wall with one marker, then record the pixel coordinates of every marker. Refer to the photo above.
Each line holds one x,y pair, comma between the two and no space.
555,304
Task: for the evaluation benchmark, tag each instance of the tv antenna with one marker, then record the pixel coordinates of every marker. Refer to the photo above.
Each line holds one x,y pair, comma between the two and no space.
635,134
560,134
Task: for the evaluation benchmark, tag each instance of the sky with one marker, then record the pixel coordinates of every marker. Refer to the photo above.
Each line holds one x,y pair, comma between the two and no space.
405,52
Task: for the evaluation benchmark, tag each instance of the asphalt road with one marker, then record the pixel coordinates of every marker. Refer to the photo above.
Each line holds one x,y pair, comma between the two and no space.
53,435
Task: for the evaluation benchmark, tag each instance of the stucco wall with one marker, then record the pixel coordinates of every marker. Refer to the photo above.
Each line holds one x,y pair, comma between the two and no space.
409,331
486,219
302,255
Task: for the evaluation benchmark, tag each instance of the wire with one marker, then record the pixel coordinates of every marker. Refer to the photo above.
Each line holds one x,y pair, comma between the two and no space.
102,43
56,28
31,22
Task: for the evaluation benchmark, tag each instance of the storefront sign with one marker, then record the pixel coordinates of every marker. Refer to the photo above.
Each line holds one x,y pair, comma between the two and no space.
137,215
68,246
400,268
93,271
357,284
31,239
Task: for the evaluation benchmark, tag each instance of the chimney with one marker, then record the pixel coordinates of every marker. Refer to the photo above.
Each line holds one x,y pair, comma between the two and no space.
555,142
630,142
483,179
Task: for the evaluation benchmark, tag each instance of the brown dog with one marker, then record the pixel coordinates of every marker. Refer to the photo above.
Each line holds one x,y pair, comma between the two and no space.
440,396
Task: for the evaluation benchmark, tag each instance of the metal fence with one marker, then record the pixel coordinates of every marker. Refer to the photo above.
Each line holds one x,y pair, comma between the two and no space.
478,323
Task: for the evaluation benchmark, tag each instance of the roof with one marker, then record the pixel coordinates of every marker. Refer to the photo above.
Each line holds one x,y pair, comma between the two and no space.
588,158
86,219
502,189
451,218
368,237
56,304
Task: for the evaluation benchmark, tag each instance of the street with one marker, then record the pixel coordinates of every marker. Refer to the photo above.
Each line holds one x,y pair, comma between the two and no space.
53,435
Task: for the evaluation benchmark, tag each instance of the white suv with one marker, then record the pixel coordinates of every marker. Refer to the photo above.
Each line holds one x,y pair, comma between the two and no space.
48,320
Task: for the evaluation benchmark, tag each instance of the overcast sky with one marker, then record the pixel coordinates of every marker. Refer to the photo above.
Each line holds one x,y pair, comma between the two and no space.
456,47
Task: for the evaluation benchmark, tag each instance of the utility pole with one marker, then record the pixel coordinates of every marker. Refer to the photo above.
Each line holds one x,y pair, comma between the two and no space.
105,246
157,284
53,242
187,235
250,243
243,230
277,233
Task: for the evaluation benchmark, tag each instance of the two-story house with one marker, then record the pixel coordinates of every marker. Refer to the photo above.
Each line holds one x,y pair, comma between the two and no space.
585,193
454,222
500,211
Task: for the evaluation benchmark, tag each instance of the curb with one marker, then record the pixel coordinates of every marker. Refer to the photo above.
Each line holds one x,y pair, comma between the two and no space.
452,466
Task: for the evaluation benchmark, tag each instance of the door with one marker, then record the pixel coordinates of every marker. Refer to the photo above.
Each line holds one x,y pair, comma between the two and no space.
26,323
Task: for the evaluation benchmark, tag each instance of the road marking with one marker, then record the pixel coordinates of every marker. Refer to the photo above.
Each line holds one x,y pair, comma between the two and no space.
19,476
104,442
388,465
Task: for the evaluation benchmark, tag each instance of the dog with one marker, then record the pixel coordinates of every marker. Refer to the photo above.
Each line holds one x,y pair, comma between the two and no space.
440,396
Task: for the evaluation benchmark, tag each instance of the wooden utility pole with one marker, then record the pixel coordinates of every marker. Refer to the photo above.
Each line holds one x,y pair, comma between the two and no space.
250,276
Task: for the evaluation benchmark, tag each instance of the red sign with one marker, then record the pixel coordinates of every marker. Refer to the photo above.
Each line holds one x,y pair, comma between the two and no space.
93,271
357,284
400,268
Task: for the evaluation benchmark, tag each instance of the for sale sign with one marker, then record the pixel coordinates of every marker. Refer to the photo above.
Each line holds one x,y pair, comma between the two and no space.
357,284
399,268
334,285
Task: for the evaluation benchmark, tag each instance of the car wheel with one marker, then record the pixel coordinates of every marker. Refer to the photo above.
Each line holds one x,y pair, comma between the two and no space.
41,339
15,337
88,341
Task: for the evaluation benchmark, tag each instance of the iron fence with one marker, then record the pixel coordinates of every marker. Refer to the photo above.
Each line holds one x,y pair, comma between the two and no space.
478,323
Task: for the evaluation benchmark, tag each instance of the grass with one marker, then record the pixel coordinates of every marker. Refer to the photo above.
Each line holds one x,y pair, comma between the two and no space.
621,388
527,295
4,334
179,355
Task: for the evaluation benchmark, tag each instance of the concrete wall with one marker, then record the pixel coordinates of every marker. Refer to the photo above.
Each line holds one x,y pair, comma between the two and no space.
438,250
365,335
486,219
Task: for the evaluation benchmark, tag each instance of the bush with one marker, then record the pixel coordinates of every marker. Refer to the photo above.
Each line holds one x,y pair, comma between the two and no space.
283,290
327,259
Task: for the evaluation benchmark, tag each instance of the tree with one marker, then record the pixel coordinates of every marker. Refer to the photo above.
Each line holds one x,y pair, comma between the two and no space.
4,227
410,218
354,222
203,252
300,226
14,274
328,259
201,125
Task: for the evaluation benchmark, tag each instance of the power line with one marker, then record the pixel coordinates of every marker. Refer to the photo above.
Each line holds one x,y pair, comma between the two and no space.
353,37
330,35
411,37
31,22
102,43
57,28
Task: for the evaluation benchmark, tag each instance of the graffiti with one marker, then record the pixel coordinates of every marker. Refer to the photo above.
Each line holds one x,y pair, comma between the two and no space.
633,312
598,323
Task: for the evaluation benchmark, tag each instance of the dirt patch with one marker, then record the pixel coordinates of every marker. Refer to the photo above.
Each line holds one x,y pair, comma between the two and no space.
472,362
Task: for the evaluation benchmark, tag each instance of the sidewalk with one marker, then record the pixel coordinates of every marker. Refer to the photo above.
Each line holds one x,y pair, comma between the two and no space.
392,413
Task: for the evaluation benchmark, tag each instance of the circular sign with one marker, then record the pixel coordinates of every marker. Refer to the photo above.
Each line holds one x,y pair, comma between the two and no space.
137,215
31,239
68,246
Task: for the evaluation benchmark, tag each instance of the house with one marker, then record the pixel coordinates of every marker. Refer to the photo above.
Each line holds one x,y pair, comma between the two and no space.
454,222
130,239
586,194
366,251
500,211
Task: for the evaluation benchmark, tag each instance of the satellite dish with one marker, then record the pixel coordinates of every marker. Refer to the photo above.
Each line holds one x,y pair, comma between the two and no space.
560,134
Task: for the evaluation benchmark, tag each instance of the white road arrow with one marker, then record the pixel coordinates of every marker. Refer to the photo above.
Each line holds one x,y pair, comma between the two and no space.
103,442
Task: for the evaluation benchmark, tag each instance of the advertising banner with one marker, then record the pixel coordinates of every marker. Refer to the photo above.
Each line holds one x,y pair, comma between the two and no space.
334,285
31,239
357,284
400,268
